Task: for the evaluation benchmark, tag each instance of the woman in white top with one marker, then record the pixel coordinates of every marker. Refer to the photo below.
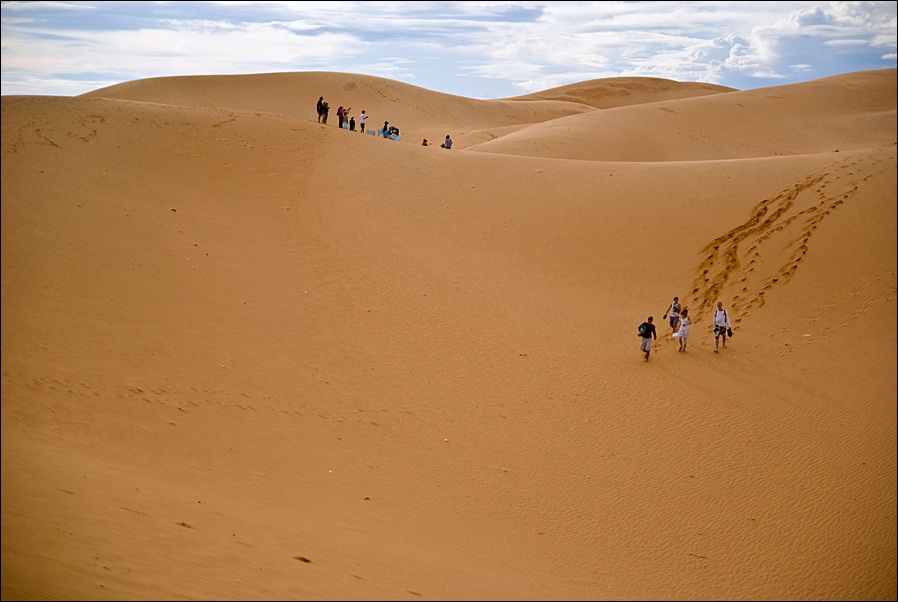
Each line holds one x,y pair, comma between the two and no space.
721,325
683,332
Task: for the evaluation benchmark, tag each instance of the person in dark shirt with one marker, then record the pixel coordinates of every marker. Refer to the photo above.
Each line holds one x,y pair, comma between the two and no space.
647,334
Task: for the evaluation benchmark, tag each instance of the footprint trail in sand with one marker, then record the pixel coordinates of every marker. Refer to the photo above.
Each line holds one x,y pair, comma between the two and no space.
744,264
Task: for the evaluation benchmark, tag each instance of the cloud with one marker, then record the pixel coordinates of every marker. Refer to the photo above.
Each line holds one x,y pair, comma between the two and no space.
474,49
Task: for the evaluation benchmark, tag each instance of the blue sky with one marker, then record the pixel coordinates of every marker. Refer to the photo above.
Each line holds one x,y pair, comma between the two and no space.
473,49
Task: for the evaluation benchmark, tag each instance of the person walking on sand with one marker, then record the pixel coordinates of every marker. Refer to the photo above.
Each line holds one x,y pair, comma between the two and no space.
674,311
320,108
325,109
362,118
648,334
683,333
721,326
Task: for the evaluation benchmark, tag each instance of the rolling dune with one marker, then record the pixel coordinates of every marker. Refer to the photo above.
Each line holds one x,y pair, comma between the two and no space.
251,356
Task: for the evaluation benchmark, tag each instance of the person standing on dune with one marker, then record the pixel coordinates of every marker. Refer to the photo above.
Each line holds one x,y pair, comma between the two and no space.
320,108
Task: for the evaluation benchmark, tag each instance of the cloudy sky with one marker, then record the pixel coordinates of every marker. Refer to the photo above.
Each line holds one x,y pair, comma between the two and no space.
473,49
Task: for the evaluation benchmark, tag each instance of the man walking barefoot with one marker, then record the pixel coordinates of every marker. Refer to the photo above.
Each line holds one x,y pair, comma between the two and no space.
721,325
648,334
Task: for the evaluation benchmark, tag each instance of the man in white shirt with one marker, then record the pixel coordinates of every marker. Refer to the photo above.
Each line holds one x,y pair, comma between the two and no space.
721,325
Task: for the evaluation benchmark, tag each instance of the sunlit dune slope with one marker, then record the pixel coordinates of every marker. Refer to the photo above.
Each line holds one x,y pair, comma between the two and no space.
640,119
834,114
250,356
612,92
419,113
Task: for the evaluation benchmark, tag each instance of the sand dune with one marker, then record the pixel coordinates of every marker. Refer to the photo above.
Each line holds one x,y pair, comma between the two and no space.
858,109
251,356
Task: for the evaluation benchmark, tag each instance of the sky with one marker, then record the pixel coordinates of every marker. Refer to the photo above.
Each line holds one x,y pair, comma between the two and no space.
478,50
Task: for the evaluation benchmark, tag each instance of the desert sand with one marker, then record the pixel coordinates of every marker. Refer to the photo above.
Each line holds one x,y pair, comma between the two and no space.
247,355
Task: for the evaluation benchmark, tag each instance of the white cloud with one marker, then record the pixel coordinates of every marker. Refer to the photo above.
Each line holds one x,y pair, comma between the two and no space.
475,49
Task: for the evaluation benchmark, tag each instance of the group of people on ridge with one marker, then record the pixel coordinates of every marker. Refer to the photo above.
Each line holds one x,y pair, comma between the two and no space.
387,131
680,323
348,121
345,119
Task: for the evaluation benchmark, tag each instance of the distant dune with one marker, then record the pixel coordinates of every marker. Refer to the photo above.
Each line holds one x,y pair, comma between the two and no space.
626,91
247,355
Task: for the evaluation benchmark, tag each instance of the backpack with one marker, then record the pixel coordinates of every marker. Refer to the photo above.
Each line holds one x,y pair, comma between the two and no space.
642,328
